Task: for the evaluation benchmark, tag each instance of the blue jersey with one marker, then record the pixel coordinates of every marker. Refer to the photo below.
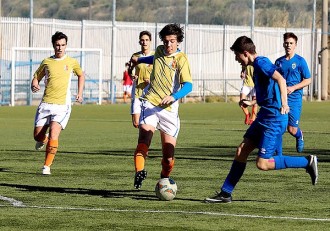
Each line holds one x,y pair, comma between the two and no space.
267,90
294,71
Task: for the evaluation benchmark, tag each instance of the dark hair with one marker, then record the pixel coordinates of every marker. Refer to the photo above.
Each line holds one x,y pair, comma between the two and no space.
172,29
290,35
145,32
242,44
58,36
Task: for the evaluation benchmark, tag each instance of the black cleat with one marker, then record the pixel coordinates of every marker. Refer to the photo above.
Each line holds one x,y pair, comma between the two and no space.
139,177
221,197
311,169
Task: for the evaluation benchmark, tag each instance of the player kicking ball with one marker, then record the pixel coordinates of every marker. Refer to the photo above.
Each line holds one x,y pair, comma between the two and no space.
265,133
170,81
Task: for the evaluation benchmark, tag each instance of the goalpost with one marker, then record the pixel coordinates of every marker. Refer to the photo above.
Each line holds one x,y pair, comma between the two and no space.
26,60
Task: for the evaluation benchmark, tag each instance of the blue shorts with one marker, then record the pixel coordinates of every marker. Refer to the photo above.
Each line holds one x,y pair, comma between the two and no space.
294,115
267,135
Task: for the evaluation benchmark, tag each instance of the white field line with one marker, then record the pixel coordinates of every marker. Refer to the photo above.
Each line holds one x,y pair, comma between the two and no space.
16,203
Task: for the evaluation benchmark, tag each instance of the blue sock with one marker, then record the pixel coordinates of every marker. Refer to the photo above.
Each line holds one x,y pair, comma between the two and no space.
282,162
234,175
298,135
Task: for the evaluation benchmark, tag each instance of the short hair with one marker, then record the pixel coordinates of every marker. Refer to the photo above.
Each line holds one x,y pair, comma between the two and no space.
172,29
290,35
242,44
58,36
145,32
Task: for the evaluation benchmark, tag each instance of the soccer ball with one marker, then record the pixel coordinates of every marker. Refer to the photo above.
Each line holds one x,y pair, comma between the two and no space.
166,189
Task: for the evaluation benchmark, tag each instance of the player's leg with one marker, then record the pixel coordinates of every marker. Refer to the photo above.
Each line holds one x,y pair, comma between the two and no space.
59,120
235,173
40,136
169,126
135,111
254,107
52,145
148,123
168,146
42,119
269,145
293,126
243,95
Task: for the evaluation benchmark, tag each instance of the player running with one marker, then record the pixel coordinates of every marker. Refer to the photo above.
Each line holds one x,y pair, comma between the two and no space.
54,111
295,70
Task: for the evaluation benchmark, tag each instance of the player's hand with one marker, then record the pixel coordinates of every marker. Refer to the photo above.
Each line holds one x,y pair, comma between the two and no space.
79,98
35,88
134,60
245,103
290,90
285,109
167,100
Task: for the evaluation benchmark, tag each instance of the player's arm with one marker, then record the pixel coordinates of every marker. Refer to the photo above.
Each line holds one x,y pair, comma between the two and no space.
300,85
246,103
81,83
146,59
37,77
184,90
283,90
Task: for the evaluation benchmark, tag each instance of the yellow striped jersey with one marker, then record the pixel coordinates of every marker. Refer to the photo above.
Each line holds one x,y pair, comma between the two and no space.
167,75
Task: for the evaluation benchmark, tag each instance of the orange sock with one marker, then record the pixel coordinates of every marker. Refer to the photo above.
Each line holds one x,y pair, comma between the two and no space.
167,167
51,150
140,155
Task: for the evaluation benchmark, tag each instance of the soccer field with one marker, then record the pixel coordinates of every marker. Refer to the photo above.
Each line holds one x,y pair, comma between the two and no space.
91,186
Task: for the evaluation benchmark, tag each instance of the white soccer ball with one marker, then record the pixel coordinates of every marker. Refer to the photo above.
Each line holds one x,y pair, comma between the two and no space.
166,189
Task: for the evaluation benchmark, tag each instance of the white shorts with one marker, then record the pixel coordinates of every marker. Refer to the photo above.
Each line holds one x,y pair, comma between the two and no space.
136,106
248,91
160,118
47,112
127,88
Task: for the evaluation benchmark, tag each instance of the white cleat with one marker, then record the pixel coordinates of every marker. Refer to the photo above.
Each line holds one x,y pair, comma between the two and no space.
40,145
46,170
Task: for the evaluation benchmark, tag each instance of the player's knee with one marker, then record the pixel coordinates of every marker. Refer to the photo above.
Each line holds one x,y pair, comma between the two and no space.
263,164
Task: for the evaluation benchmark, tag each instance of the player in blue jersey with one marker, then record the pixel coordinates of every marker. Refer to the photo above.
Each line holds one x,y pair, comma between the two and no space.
295,70
266,131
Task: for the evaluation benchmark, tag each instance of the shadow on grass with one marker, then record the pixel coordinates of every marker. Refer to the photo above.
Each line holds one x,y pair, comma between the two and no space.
133,194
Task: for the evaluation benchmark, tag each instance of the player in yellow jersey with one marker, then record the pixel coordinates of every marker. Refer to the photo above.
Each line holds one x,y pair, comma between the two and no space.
141,76
248,90
55,107
170,80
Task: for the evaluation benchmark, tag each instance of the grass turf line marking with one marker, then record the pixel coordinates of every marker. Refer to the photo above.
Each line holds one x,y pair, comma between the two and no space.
164,211
12,201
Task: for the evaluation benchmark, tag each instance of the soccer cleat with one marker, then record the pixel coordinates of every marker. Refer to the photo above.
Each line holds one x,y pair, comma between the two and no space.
221,197
300,143
311,169
40,145
46,170
247,119
251,121
139,177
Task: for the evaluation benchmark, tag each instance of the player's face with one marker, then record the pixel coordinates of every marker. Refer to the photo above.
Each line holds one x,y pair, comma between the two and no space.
241,58
59,48
145,42
171,44
289,46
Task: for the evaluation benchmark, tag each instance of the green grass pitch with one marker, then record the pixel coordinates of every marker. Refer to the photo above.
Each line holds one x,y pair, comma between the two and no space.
91,186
